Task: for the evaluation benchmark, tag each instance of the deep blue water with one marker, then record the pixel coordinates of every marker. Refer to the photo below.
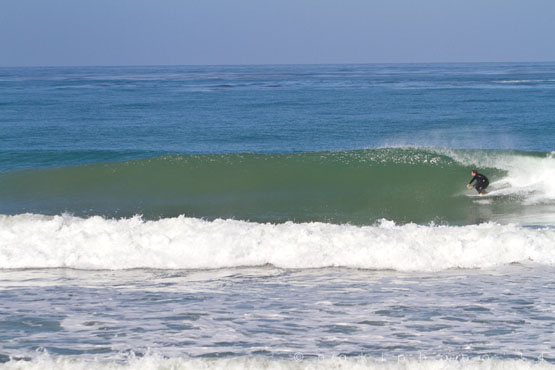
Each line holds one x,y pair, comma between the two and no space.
60,116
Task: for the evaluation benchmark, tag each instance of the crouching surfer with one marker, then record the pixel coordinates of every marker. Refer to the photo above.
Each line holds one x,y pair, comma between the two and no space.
482,182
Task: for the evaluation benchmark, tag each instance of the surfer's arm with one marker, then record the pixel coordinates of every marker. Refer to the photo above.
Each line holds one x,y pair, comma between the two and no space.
469,185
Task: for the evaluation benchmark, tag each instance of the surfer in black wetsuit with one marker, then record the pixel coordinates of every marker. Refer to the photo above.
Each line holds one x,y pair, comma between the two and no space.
482,182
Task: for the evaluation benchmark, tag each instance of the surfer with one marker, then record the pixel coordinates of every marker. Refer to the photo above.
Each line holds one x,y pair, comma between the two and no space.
482,182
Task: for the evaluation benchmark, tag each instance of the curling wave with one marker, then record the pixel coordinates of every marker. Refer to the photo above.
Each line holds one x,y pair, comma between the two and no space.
358,187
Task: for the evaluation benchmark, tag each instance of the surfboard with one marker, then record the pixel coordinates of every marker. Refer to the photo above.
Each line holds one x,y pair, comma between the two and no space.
487,194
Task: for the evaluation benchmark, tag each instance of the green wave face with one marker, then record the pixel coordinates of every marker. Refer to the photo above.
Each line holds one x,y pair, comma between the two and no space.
358,187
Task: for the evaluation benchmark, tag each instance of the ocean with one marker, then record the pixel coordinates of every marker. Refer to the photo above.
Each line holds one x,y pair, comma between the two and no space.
277,217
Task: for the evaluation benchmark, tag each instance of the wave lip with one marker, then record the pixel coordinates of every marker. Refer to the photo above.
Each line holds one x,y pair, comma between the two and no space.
37,241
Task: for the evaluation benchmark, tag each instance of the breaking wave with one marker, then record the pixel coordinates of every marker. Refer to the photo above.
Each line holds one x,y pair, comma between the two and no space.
419,185
38,241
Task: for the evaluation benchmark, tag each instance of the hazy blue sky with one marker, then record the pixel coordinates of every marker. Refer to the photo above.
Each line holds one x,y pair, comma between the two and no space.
132,32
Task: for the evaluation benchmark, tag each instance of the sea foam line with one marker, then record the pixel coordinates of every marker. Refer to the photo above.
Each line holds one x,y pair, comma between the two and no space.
241,363
37,241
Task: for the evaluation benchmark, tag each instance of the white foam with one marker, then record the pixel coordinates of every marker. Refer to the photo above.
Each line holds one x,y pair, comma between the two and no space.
528,177
295,363
518,81
37,241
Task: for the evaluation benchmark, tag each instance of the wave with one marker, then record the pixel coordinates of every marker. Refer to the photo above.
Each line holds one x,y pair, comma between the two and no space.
38,241
17,159
358,187
152,362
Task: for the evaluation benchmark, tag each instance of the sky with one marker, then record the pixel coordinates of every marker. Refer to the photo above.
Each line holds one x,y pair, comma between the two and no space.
216,32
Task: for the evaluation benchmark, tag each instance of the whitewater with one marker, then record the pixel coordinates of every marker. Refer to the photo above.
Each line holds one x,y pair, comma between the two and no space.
188,243
338,363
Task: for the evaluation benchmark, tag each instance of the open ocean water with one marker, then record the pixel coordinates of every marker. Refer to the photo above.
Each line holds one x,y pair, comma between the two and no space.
277,217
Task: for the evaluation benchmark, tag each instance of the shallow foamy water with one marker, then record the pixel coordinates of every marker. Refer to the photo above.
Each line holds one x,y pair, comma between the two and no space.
505,313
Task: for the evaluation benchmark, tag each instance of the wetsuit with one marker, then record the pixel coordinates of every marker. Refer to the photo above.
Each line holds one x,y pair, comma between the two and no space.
482,182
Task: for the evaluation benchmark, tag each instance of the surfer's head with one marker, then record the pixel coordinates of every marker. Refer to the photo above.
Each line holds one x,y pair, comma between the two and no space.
474,172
